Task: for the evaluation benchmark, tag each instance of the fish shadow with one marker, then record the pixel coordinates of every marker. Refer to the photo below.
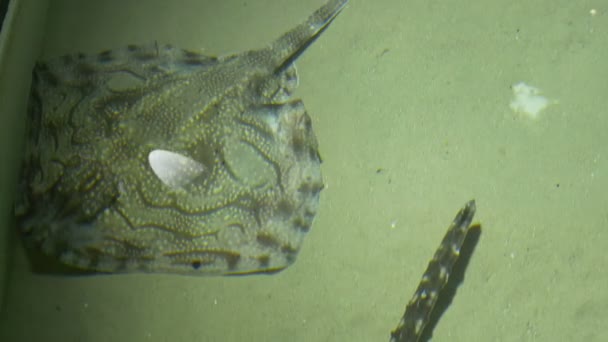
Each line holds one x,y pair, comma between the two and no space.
448,292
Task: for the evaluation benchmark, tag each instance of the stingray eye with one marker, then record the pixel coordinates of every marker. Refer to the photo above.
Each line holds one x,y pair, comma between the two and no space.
174,169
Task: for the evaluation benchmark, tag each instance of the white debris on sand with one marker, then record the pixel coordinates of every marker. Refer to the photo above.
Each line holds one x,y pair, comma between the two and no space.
528,101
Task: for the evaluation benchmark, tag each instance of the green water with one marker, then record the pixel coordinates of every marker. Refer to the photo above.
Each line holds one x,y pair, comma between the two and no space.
410,103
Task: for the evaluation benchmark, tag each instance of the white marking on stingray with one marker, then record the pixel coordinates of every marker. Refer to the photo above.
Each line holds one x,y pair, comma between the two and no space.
272,121
527,100
174,169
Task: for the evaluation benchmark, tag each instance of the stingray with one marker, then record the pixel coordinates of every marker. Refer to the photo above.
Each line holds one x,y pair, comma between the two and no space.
153,158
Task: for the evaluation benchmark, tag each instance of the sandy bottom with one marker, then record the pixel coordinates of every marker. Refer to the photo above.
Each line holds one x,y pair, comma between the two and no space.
410,102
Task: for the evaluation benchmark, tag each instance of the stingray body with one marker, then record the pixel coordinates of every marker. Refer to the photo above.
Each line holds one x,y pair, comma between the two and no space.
157,159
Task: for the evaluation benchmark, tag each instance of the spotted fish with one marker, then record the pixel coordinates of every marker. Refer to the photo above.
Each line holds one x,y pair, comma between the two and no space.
157,159
419,308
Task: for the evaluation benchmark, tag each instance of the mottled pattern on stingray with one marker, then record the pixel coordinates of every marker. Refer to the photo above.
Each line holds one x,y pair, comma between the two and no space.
158,159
